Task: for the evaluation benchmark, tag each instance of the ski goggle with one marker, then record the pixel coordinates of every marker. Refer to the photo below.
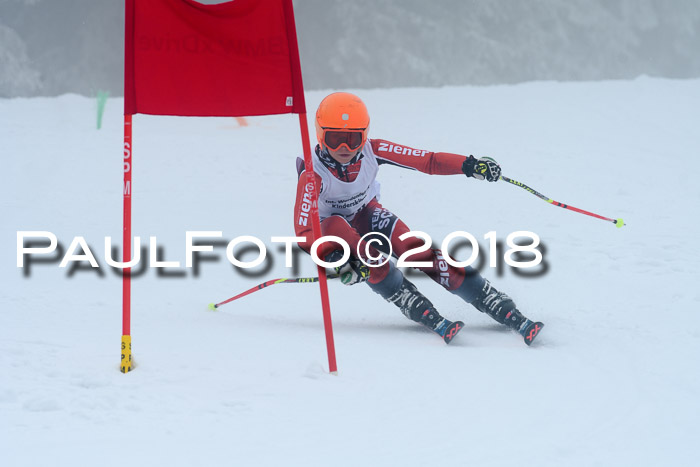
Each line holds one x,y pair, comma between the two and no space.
352,139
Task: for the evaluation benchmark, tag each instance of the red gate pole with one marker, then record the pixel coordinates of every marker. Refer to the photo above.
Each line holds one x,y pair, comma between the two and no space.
125,365
299,107
316,230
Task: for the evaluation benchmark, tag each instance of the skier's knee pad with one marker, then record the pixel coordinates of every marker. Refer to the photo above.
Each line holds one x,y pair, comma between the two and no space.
471,286
390,284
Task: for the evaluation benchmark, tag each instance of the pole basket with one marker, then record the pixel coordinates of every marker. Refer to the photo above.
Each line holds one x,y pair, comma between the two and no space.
125,366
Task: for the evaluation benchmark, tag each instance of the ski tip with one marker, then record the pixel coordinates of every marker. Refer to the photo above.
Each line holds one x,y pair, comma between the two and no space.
212,307
532,331
452,331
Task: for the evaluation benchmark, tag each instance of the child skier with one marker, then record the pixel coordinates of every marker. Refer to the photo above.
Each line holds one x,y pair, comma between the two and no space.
346,165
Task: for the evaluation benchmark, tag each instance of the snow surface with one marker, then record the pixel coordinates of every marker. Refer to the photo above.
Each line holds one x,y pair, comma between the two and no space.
613,379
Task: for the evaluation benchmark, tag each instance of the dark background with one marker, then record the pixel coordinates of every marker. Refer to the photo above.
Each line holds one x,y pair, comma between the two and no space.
50,47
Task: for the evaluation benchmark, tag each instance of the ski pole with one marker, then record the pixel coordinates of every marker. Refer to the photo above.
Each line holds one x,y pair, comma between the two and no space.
618,222
297,280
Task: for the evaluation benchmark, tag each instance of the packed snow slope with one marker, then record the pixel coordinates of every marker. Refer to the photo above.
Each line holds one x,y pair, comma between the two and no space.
613,379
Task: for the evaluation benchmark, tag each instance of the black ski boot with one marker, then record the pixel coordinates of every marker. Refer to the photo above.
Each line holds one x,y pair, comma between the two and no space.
416,307
500,307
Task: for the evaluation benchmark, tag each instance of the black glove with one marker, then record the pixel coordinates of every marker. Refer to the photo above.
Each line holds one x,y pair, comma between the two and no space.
352,272
484,168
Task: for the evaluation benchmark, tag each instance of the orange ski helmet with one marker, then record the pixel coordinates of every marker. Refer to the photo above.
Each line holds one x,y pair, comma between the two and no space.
342,119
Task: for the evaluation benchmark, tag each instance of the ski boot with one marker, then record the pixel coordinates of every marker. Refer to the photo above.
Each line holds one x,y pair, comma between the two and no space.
500,307
416,307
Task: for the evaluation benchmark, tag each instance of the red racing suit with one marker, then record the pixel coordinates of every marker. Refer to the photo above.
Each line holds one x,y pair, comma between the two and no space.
349,205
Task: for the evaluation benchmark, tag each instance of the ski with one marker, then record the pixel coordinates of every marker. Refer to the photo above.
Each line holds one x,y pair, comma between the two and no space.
448,329
530,331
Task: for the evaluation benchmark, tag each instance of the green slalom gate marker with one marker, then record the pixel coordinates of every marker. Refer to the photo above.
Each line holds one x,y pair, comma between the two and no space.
101,102
618,222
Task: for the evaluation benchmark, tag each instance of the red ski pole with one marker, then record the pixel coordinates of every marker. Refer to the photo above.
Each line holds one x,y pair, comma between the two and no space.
618,222
298,280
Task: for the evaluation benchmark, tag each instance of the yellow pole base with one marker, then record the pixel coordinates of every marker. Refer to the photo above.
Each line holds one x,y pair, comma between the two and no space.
125,365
